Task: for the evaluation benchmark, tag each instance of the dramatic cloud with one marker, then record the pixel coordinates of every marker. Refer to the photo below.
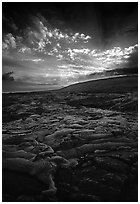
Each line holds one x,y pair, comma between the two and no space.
56,49
25,49
9,41
89,61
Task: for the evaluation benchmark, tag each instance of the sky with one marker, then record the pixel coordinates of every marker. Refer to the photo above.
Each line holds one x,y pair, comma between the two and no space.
55,44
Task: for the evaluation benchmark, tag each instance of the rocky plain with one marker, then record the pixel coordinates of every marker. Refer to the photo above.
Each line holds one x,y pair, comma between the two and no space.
95,132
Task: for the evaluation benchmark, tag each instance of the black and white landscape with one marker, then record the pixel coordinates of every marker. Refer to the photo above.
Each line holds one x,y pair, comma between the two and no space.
70,102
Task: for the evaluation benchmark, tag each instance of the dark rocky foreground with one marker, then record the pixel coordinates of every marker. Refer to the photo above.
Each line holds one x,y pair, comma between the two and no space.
97,131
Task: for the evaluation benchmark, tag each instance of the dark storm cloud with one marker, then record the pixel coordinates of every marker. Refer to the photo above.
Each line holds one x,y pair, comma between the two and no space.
7,76
117,22
103,19
9,23
106,23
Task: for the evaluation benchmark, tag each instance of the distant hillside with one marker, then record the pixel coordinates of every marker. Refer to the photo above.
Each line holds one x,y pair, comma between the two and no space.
116,84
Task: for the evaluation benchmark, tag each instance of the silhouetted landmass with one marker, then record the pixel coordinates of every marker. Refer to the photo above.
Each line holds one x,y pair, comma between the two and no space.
107,85
123,71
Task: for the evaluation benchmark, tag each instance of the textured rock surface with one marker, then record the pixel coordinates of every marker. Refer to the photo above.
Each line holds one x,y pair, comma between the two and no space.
97,133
